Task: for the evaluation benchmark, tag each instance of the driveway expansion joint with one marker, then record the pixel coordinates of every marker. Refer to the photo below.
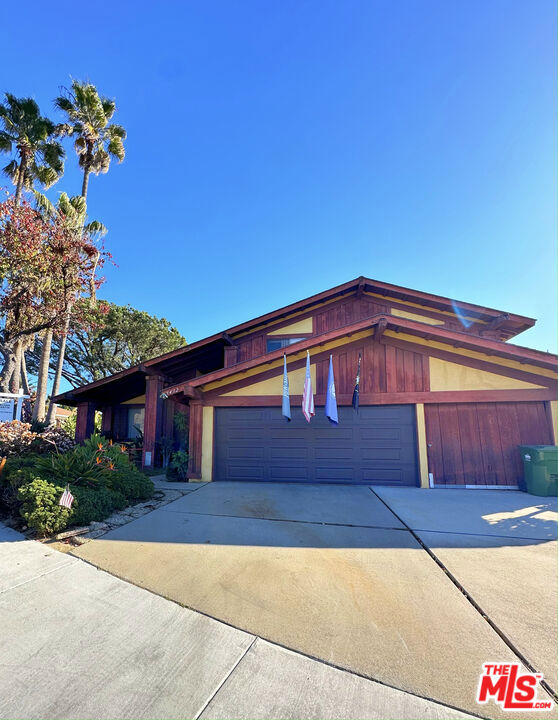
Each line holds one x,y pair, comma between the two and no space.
544,684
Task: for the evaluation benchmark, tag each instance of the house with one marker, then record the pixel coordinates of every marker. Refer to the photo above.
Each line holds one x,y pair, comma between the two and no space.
445,398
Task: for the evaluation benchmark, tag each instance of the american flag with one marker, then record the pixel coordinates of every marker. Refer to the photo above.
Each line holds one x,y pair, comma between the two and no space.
308,396
67,498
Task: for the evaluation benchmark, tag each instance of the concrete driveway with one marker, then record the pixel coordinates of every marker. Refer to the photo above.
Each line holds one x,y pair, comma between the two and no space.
335,573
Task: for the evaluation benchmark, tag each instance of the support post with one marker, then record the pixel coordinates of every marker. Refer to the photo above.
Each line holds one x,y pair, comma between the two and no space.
106,423
195,441
422,446
153,418
85,421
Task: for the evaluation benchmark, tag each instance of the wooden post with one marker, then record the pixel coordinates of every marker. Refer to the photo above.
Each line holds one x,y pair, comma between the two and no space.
85,421
195,441
153,418
106,423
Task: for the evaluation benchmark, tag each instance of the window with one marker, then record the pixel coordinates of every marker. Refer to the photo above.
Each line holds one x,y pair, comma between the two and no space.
277,343
135,420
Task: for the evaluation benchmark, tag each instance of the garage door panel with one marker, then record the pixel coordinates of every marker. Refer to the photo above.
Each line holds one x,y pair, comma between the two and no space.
289,473
377,444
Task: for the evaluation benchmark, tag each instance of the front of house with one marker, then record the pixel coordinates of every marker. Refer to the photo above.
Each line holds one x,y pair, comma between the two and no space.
445,398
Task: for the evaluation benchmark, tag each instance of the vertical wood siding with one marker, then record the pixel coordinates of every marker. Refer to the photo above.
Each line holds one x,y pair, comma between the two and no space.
476,443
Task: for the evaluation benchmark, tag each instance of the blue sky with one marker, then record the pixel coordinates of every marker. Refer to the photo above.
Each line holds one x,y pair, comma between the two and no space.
276,149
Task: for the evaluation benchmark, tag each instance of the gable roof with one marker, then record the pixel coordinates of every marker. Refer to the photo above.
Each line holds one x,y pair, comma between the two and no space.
209,348
381,323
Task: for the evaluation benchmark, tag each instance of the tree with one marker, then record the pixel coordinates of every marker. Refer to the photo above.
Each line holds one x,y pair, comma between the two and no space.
39,156
71,212
43,267
96,140
117,338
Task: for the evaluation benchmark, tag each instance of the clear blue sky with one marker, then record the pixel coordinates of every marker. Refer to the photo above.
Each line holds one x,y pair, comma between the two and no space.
276,149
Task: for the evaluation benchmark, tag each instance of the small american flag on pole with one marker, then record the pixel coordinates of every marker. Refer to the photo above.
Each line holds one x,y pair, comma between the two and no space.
308,395
67,498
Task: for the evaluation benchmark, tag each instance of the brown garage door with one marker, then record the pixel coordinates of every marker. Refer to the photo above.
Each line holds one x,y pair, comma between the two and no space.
377,444
476,443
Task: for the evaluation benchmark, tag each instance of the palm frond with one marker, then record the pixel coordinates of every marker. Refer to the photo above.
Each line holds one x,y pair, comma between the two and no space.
11,170
46,175
43,204
5,142
95,228
116,148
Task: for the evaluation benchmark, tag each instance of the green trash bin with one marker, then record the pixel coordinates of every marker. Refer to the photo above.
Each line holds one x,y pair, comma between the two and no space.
540,463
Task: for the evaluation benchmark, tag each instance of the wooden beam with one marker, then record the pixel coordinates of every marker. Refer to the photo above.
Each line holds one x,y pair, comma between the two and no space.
496,323
360,288
380,328
228,339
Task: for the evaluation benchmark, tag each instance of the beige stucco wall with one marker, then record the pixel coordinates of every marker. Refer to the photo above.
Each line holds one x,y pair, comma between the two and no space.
207,444
302,326
452,376
274,385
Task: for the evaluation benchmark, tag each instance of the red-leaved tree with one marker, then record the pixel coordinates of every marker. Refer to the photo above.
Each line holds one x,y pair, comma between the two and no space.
46,267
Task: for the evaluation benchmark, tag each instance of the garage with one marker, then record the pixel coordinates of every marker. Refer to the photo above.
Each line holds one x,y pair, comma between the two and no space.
376,445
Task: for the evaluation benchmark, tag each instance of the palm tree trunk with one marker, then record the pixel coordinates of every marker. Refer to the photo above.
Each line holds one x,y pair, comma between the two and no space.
20,178
51,415
42,378
85,183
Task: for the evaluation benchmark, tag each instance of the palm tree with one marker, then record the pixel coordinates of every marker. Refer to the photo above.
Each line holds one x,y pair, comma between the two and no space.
89,116
73,212
39,157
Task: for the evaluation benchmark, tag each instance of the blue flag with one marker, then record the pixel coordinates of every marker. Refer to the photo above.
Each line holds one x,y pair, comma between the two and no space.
331,400
286,400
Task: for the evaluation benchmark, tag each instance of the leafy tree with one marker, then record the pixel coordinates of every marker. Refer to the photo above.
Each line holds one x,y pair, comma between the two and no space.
72,213
39,157
43,267
96,140
119,337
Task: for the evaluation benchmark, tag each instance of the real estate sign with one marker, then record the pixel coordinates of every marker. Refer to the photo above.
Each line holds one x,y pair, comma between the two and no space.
6,410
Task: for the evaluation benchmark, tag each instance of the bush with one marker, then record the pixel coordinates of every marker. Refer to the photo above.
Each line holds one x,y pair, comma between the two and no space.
178,466
100,476
19,438
95,505
16,438
40,508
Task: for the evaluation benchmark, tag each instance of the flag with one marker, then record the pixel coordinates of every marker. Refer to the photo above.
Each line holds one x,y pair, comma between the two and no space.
286,400
308,396
331,401
67,498
357,386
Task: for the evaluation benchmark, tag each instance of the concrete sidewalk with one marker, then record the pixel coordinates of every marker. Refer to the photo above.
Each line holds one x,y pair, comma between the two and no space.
77,642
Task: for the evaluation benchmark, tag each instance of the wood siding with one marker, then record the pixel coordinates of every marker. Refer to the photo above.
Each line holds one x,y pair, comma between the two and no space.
476,443
384,368
344,312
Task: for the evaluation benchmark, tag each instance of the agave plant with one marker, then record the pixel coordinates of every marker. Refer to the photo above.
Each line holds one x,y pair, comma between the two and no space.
39,156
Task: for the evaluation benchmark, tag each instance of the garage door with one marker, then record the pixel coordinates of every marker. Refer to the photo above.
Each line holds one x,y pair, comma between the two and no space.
375,445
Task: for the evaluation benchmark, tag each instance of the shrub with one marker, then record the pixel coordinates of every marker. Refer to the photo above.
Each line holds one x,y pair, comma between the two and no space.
16,438
53,438
95,505
133,485
178,466
40,508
